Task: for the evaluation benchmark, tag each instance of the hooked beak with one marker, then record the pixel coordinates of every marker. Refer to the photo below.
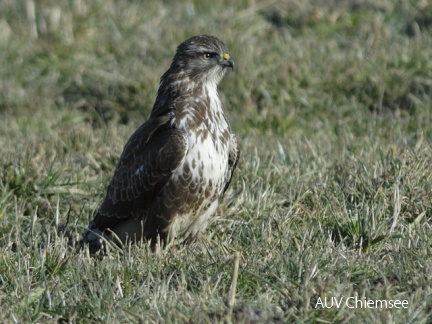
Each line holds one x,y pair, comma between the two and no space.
227,61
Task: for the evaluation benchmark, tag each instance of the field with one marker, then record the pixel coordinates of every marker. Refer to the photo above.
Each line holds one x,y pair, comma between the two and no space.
332,201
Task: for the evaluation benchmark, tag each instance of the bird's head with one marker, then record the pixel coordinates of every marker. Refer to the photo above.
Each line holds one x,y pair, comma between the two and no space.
203,58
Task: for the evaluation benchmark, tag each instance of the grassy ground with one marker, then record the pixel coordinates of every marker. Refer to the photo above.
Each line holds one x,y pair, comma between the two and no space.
331,102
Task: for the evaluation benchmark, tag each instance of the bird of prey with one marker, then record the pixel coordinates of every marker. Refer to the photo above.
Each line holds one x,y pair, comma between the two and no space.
177,165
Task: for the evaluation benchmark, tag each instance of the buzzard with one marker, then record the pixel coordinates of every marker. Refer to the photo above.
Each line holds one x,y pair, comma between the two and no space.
177,165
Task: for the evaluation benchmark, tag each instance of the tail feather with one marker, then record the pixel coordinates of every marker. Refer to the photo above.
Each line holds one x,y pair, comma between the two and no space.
92,237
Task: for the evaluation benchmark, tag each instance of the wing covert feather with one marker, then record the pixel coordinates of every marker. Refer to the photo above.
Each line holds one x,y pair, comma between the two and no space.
148,161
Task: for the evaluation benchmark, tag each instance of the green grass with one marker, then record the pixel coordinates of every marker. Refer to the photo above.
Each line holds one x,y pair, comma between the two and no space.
332,104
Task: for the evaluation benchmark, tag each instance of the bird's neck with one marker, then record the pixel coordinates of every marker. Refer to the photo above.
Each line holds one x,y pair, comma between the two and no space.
177,91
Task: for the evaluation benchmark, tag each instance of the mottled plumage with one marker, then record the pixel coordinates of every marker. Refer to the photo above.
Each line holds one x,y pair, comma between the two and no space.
177,165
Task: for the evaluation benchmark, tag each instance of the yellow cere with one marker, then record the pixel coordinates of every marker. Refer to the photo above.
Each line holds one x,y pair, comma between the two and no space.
226,56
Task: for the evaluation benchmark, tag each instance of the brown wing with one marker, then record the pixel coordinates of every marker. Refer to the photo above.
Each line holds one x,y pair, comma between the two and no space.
148,160
233,159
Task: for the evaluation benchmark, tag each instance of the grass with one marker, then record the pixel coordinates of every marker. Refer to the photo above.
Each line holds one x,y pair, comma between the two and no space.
331,102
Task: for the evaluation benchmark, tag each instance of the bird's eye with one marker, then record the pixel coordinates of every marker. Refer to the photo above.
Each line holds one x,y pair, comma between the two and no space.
207,56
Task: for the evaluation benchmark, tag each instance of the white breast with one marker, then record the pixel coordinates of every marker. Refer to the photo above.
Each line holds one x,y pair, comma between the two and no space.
207,159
